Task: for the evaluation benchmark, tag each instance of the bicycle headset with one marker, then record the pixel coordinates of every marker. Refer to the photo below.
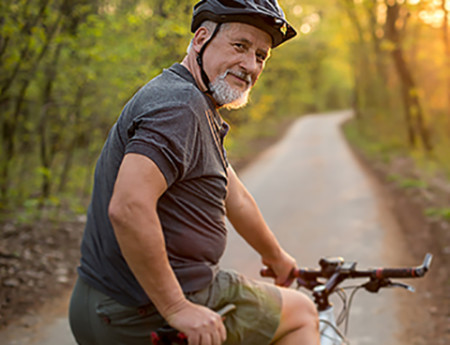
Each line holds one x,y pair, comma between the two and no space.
266,15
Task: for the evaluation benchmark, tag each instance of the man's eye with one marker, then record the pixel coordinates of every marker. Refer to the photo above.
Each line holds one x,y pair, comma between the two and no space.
260,57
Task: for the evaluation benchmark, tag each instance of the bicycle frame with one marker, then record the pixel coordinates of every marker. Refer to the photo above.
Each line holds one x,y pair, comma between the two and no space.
329,333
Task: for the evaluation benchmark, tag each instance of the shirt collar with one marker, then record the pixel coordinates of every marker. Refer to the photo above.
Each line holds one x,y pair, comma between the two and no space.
183,72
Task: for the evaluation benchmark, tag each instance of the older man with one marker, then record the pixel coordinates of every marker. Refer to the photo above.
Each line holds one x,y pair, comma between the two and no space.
163,187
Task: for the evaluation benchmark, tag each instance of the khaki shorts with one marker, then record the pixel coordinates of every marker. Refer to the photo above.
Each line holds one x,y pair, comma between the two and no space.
97,319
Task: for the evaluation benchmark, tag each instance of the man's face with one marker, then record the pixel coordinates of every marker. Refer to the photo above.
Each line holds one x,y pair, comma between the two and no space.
234,60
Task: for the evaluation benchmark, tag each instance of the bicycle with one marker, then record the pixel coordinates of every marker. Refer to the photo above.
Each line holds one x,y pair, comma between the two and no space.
323,282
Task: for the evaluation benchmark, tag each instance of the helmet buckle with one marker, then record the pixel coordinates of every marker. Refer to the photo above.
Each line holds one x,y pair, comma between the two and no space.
284,29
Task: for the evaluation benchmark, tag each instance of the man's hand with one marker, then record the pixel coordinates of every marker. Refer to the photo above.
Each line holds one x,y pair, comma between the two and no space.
282,266
201,325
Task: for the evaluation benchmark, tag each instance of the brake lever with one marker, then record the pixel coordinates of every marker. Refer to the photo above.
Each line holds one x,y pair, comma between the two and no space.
374,285
404,286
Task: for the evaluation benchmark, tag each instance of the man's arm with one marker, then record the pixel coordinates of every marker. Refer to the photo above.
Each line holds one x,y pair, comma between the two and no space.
133,214
244,214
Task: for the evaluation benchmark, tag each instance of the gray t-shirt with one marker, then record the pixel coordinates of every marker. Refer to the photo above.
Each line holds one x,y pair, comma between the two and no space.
173,123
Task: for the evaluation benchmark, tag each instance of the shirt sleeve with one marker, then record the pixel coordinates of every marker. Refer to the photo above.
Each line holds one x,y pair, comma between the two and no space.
168,136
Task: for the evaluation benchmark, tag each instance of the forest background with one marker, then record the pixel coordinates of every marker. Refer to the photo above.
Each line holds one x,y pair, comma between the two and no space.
67,67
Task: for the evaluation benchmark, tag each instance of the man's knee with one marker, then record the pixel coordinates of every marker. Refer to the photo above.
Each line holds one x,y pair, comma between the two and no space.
299,321
298,308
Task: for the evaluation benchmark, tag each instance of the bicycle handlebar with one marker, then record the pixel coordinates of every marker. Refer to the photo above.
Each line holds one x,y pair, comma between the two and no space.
336,270
329,267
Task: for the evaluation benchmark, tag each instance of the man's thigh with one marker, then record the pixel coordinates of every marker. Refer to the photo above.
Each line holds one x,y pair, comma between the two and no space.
258,307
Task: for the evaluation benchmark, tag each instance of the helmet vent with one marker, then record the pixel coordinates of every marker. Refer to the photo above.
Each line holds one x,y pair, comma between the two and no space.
232,3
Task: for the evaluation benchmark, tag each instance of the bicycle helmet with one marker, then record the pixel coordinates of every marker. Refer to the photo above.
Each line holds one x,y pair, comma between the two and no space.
264,14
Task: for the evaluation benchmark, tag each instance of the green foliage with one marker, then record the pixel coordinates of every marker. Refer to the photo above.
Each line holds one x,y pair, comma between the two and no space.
407,183
67,67
374,145
35,209
438,213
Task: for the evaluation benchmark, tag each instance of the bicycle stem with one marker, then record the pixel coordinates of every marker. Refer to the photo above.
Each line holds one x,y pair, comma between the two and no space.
321,292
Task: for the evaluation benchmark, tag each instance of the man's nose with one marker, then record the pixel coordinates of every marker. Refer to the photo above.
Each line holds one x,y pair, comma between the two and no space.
249,63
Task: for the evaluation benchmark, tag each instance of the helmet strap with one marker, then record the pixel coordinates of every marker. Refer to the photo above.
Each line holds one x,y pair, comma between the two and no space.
205,78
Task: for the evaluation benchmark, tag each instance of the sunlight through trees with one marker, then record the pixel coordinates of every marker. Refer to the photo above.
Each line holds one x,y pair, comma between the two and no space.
67,67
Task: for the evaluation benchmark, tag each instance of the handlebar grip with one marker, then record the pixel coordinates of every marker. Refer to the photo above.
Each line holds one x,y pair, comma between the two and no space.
413,272
267,272
395,273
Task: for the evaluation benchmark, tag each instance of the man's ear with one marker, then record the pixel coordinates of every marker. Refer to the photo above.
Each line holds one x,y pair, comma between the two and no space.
200,37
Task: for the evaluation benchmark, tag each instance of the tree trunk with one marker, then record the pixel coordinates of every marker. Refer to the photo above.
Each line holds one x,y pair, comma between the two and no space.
73,142
46,151
360,62
413,110
376,42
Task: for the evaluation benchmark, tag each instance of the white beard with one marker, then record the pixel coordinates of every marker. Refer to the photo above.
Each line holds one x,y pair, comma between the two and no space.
227,96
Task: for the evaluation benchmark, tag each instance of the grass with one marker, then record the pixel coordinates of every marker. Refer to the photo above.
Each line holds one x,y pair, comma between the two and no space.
407,183
442,213
384,144
385,148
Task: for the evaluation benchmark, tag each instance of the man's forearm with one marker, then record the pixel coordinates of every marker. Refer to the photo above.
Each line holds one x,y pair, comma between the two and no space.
244,214
249,223
142,244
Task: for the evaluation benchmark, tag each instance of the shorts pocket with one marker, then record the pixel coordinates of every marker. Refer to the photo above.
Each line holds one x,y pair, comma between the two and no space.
116,314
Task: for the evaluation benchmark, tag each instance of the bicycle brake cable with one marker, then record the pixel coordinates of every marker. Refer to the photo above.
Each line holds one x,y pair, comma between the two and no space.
337,330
